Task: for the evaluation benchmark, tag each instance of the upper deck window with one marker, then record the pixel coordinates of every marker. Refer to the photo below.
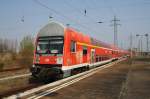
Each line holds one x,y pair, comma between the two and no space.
73,46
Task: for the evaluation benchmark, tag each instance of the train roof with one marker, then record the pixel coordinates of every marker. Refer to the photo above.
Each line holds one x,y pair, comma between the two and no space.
103,44
52,29
57,29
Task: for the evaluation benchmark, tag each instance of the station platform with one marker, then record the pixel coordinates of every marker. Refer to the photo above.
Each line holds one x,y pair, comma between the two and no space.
129,79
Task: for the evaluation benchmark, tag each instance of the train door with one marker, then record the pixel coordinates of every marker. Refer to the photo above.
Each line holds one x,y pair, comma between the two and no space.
84,54
92,55
73,53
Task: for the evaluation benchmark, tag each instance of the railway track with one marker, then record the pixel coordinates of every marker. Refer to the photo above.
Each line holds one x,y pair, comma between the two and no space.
16,90
11,69
14,77
43,90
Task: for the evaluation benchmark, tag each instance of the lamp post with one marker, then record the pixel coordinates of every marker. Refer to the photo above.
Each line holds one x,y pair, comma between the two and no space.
140,44
147,47
131,50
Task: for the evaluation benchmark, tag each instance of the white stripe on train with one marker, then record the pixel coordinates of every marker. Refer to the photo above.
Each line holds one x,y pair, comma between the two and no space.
85,64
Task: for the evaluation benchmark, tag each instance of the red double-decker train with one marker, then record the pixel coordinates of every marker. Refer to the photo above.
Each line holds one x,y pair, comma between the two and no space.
61,51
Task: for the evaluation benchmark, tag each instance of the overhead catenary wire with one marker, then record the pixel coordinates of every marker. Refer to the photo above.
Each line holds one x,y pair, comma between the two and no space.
111,9
54,11
92,3
87,6
81,11
62,15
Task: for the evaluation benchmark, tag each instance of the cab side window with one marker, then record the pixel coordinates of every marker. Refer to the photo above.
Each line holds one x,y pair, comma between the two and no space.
73,46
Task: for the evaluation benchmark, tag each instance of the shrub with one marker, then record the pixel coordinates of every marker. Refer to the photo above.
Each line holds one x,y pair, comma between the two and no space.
1,65
26,51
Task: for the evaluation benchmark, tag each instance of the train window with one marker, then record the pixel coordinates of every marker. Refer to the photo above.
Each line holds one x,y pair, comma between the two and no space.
96,59
84,50
42,46
103,58
100,59
73,46
54,46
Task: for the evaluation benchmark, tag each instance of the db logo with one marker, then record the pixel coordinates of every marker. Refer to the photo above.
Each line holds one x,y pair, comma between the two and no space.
47,60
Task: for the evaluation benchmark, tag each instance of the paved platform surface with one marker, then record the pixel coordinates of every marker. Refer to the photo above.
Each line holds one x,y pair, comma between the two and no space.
126,80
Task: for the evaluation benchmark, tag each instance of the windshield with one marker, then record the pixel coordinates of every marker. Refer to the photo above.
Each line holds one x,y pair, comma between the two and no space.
42,46
50,46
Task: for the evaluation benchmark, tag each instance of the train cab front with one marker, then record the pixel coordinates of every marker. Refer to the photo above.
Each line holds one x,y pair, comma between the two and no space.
48,57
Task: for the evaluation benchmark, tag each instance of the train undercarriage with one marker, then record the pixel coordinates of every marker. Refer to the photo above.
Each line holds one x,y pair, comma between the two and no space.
47,73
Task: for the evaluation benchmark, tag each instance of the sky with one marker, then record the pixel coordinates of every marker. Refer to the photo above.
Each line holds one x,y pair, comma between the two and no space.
19,18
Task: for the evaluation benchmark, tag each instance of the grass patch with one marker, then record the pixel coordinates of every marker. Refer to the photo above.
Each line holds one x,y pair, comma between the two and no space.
144,59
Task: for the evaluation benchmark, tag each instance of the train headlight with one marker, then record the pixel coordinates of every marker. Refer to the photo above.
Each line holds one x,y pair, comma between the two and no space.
33,66
59,60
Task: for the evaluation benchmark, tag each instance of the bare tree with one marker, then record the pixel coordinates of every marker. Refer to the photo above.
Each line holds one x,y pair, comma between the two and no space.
26,51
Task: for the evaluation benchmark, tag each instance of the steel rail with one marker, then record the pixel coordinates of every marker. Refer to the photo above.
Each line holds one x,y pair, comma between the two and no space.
52,87
14,77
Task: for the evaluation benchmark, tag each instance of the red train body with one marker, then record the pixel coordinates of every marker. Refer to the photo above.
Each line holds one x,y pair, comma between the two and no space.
62,51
